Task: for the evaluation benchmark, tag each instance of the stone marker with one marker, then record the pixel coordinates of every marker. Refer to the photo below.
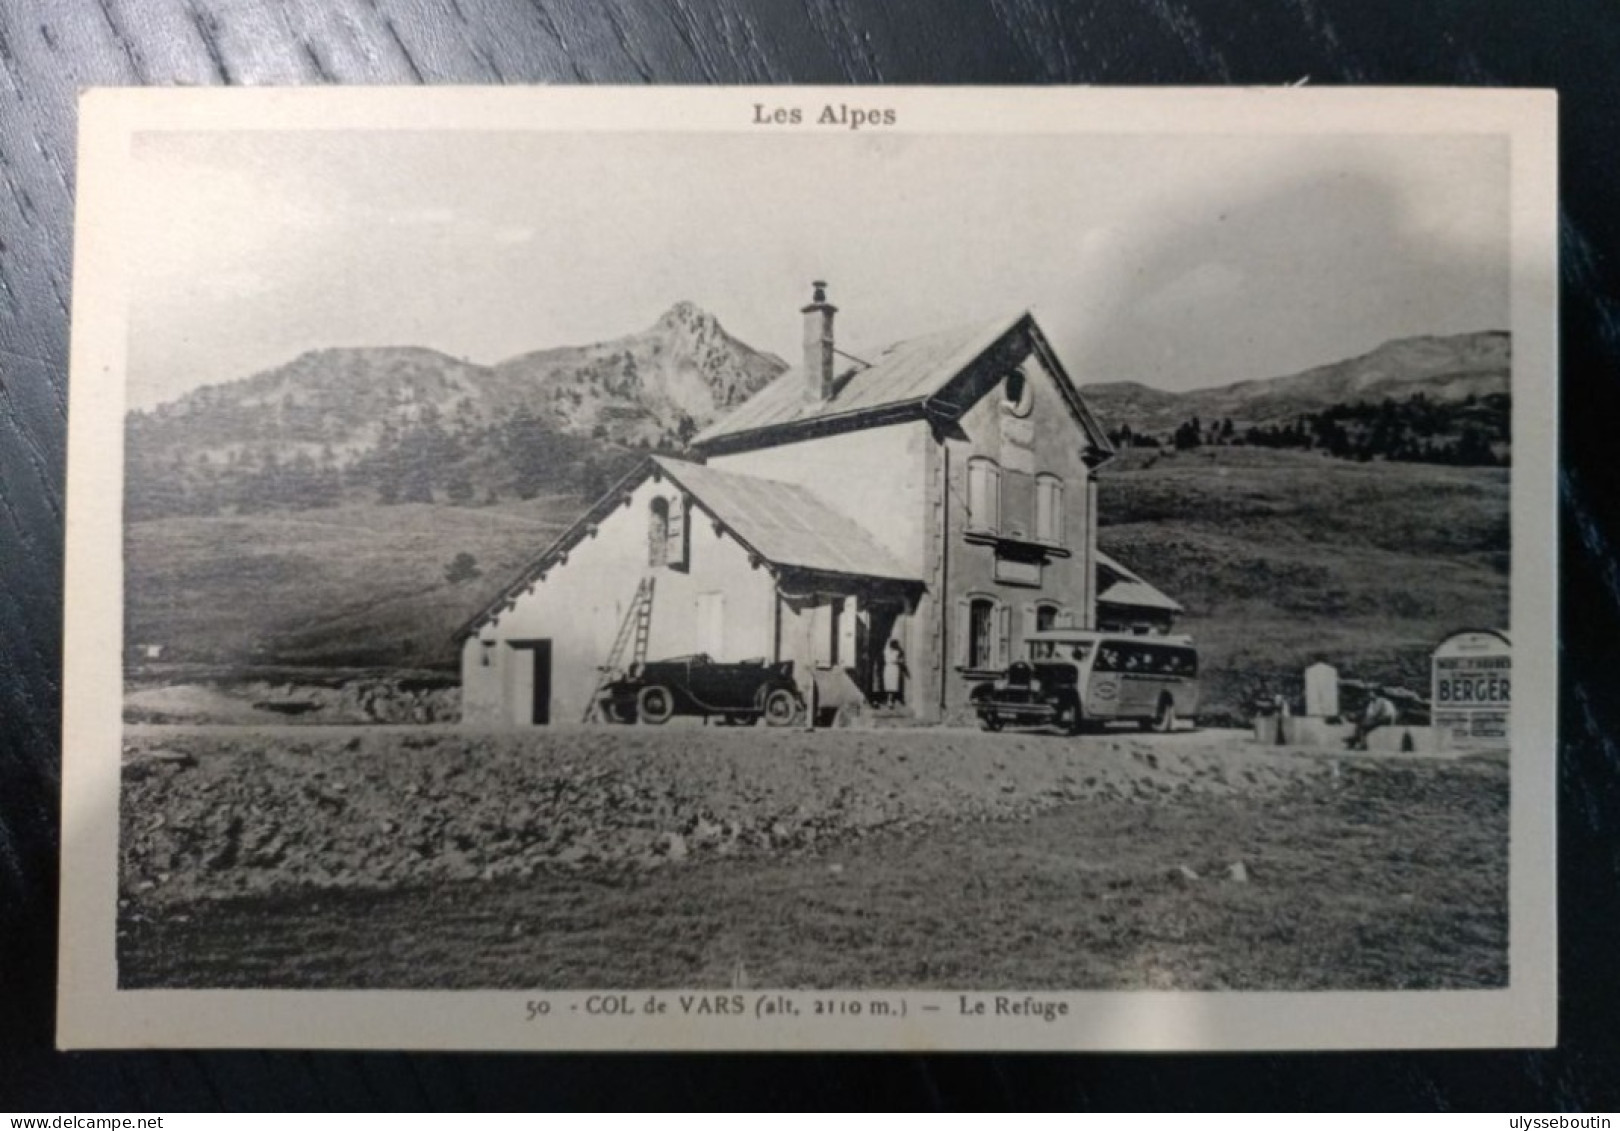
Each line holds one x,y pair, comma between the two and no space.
1322,691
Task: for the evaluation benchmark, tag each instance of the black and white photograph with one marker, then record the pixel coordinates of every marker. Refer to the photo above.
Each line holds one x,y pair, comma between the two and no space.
793,568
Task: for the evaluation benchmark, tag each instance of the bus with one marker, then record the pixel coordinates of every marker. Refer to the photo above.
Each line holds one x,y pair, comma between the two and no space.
1074,676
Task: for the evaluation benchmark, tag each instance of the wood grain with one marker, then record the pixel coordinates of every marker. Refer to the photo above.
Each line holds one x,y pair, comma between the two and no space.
48,50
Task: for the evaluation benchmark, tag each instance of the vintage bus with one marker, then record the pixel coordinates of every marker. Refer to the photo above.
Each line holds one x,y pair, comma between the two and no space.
1072,676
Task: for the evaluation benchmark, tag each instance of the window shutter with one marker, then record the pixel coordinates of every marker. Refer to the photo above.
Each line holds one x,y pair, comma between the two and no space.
1031,621
976,495
993,517
964,633
1003,635
675,554
1057,512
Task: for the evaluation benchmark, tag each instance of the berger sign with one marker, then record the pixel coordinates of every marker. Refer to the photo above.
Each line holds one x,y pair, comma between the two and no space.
1473,676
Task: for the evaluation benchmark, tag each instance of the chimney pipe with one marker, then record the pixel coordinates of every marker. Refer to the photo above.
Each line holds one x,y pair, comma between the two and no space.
818,346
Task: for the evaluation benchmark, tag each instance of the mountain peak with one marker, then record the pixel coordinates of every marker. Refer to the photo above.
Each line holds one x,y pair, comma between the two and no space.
686,314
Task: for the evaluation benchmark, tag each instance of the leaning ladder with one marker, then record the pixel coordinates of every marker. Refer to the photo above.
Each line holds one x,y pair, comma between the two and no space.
632,634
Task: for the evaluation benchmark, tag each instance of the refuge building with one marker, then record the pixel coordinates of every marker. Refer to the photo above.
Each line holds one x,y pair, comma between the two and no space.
938,495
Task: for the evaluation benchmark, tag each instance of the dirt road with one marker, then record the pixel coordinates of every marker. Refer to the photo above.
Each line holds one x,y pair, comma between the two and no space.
713,858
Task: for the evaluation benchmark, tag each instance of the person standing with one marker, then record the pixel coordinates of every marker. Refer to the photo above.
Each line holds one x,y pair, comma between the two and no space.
894,674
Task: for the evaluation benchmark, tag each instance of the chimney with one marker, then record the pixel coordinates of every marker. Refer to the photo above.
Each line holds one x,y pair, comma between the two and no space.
818,346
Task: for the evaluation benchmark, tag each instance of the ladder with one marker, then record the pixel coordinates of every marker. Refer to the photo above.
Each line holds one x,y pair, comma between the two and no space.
632,634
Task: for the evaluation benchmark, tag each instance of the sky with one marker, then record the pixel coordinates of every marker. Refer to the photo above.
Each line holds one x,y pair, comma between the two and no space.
1179,262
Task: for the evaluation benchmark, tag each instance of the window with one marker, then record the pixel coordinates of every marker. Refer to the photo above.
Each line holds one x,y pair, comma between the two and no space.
983,633
1047,617
658,532
1017,395
984,496
666,533
1049,510
1155,659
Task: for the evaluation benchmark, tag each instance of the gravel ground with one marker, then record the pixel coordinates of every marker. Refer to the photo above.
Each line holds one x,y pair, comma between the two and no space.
219,812
685,859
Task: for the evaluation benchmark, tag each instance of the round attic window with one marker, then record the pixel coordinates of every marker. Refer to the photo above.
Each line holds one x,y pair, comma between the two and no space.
1017,394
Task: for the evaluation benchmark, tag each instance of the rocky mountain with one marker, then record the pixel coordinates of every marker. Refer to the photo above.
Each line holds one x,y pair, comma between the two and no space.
407,423
659,385
1446,370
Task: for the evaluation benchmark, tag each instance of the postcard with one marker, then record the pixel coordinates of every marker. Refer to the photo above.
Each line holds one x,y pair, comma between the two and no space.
812,568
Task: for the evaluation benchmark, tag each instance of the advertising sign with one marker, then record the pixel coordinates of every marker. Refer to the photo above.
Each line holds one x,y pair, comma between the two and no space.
1472,689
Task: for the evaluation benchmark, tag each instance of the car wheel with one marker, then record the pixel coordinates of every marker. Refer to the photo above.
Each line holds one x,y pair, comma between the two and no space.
615,711
991,721
781,708
655,704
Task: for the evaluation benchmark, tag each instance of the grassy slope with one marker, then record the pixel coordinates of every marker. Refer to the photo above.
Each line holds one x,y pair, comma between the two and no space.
348,585
1280,558
1284,558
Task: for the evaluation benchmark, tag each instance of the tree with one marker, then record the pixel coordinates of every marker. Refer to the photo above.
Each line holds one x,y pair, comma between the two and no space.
463,567
459,489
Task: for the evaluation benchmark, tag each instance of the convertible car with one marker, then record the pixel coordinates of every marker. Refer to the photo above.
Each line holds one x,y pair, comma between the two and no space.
739,694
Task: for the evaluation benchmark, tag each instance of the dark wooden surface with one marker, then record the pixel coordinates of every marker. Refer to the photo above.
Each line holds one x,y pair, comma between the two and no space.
50,48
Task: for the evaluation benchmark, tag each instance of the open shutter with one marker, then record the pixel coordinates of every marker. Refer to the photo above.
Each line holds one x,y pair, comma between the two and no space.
1058,532
964,633
675,555
1003,635
1031,621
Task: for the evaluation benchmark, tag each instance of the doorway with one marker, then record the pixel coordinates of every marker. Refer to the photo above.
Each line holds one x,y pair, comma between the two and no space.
531,682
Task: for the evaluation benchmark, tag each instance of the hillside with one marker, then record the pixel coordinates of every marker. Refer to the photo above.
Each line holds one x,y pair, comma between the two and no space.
1445,370
337,587
1285,558
393,424
300,517
1280,559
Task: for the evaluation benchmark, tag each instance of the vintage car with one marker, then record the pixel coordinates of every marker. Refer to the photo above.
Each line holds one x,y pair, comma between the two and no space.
735,693
1073,677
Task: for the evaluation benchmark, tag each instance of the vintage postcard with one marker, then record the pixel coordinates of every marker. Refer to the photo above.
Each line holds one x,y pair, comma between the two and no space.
811,569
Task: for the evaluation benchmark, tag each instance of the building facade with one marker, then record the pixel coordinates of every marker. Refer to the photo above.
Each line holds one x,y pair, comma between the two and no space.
931,505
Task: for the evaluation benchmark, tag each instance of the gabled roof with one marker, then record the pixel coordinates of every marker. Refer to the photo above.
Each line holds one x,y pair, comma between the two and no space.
782,524
785,524
1125,587
907,380
904,373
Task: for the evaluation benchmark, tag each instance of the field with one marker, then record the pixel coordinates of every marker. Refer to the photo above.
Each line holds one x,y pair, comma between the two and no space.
1280,558
330,587
1285,558
894,859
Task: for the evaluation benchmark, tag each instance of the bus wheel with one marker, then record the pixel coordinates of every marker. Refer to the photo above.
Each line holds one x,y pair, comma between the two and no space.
1165,721
1070,719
